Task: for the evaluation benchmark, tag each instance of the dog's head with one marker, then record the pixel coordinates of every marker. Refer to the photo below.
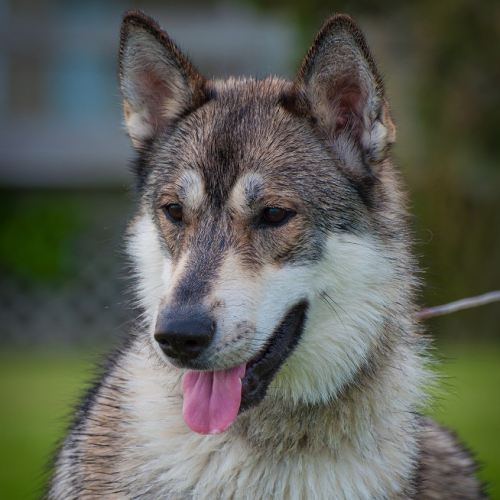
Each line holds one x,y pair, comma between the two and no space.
267,244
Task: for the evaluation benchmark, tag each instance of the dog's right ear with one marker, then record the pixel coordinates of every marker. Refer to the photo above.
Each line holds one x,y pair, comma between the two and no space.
158,83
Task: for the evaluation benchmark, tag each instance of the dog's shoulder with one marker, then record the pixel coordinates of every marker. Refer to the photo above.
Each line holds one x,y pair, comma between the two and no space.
446,469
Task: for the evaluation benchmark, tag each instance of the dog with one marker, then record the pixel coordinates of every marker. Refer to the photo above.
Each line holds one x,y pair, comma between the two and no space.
279,355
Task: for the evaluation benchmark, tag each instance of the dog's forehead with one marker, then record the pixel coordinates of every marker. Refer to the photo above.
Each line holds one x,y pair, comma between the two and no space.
246,128
243,132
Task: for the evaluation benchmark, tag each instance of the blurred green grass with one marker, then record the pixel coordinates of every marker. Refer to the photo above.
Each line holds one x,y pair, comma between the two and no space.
38,388
469,404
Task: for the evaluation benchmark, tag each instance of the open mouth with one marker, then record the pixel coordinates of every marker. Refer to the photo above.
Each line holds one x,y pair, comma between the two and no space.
213,399
261,370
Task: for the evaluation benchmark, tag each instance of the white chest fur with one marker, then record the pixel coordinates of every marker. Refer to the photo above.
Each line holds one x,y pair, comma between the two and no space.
165,459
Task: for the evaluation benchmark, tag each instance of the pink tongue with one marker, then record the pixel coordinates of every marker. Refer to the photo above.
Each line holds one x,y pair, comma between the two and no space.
212,399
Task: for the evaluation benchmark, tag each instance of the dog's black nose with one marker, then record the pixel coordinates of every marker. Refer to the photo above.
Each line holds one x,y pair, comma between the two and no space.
184,335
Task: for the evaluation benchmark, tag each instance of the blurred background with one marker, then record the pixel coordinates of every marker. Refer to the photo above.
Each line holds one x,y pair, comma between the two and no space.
65,188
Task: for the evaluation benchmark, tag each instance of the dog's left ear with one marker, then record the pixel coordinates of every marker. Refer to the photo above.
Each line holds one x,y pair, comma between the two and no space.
340,86
158,83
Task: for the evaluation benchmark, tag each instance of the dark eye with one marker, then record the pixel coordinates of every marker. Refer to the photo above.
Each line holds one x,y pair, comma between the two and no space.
273,215
174,212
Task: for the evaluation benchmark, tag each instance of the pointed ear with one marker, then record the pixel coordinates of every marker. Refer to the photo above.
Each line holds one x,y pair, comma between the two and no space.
340,86
158,83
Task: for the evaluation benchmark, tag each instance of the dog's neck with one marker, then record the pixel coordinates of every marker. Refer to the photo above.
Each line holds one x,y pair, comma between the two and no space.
377,411
363,442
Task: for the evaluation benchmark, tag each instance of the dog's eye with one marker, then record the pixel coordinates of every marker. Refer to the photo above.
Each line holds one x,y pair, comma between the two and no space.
173,212
272,215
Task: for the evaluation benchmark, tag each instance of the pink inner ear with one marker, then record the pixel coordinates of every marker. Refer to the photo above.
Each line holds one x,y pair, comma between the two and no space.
156,91
156,86
347,103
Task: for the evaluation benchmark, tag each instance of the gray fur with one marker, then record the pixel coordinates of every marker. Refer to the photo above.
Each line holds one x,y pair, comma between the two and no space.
340,418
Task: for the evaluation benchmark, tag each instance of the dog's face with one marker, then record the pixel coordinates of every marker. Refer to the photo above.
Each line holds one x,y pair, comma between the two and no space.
259,242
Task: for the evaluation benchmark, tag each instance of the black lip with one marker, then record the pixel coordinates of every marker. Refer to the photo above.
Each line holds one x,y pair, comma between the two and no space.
261,370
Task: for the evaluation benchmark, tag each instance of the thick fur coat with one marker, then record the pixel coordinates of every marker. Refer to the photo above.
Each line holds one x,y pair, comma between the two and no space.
273,263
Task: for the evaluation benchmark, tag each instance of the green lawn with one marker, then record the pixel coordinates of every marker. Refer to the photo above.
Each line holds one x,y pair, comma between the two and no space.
36,390
470,404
